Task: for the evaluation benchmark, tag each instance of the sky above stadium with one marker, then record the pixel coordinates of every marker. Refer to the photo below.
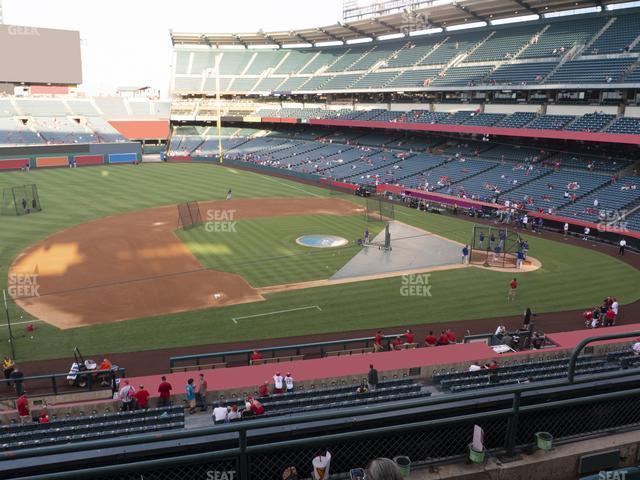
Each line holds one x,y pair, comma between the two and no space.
126,42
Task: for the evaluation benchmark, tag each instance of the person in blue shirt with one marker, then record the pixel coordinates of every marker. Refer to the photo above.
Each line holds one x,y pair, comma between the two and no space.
465,254
481,239
519,259
190,396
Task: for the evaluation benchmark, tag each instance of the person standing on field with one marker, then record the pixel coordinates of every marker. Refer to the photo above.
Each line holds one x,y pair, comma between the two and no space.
513,287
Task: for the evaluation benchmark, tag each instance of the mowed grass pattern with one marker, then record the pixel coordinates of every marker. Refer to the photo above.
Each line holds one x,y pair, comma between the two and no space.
264,250
571,278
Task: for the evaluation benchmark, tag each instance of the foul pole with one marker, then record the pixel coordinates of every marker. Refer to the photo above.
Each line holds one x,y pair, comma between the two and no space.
11,339
219,123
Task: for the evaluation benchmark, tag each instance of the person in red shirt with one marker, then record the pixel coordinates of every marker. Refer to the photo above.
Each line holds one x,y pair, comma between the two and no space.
43,418
377,342
22,404
610,318
255,356
451,335
263,390
164,389
443,339
513,286
409,336
431,340
142,398
256,407
396,344
588,317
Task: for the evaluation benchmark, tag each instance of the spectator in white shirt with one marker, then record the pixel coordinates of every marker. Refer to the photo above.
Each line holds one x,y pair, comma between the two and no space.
475,367
278,383
623,245
587,231
615,306
234,413
288,381
566,229
220,413
636,347
500,331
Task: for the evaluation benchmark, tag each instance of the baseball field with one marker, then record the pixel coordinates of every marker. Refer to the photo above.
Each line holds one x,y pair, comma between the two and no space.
106,256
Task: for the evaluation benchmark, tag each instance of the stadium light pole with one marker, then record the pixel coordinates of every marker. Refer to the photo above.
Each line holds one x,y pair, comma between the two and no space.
219,123
6,310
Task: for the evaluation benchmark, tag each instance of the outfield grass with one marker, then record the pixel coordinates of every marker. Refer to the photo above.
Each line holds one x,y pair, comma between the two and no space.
264,250
570,278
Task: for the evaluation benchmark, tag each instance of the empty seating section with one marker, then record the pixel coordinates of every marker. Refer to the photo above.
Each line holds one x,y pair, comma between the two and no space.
458,118
422,116
15,132
140,109
264,60
318,60
335,397
492,183
374,80
623,31
463,76
454,46
57,130
112,107
591,122
398,172
548,191
189,84
293,61
103,130
591,71
241,84
41,108
348,58
368,160
504,44
633,76
268,84
202,61
626,125
83,107
411,53
485,119
341,82
611,199
87,428
414,78
377,54
183,58
315,83
293,83
6,108
519,73
538,370
441,177
234,62
517,120
550,122
564,35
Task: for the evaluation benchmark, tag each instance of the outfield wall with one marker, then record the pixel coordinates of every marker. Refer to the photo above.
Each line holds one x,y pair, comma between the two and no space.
48,156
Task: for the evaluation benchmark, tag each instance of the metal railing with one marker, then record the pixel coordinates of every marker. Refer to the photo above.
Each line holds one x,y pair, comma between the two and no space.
57,383
507,430
317,348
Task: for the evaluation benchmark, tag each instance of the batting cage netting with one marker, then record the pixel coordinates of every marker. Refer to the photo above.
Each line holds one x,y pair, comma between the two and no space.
189,215
20,200
379,210
494,246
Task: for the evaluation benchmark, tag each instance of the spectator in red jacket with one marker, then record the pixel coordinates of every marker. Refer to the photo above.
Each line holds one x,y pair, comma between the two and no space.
164,389
377,342
43,418
396,344
22,404
409,336
610,318
430,340
443,339
255,356
256,407
142,397
451,335
263,390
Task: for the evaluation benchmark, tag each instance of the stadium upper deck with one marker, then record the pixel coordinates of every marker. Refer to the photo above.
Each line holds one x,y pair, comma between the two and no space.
598,49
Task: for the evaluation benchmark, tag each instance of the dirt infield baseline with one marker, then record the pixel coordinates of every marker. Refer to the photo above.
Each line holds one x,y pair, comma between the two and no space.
133,265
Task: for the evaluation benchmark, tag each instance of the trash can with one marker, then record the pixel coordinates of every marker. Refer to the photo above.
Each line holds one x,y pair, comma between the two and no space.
544,440
475,456
404,464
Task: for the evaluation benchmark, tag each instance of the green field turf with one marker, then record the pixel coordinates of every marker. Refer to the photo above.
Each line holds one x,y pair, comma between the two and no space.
264,250
570,278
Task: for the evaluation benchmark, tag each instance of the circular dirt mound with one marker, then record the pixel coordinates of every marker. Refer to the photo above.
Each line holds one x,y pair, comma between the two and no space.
321,241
